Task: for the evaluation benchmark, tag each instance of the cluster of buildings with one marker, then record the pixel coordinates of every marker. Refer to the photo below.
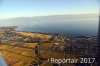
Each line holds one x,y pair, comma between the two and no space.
86,45
82,45
10,34
7,33
7,29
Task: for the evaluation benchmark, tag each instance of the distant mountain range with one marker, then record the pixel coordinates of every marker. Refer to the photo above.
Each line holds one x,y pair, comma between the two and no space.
52,23
48,19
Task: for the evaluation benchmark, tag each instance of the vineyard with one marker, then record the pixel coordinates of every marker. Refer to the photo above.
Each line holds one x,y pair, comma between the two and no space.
18,53
33,49
19,56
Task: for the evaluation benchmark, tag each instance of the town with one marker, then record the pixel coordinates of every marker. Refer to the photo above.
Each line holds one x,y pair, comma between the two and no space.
38,47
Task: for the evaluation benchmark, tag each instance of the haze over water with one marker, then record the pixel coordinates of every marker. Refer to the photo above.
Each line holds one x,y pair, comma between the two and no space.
67,24
70,17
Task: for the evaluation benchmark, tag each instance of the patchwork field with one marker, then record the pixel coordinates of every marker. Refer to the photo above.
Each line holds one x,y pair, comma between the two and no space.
18,56
21,53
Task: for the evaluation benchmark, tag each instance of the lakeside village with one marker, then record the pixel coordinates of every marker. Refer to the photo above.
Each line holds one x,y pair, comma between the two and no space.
34,48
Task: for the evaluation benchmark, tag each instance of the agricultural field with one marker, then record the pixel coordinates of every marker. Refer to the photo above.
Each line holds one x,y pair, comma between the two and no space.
20,49
30,34
19,56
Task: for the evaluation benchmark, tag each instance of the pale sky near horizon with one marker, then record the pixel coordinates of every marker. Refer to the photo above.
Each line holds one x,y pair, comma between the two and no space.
29,8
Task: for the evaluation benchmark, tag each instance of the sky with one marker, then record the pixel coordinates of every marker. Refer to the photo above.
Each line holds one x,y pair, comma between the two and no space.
30,8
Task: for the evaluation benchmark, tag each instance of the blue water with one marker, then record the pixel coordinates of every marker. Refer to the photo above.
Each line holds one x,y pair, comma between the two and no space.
67,28
67,25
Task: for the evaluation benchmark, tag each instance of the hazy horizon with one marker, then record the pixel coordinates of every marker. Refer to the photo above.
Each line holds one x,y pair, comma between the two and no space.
75,17
85,24
29,8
